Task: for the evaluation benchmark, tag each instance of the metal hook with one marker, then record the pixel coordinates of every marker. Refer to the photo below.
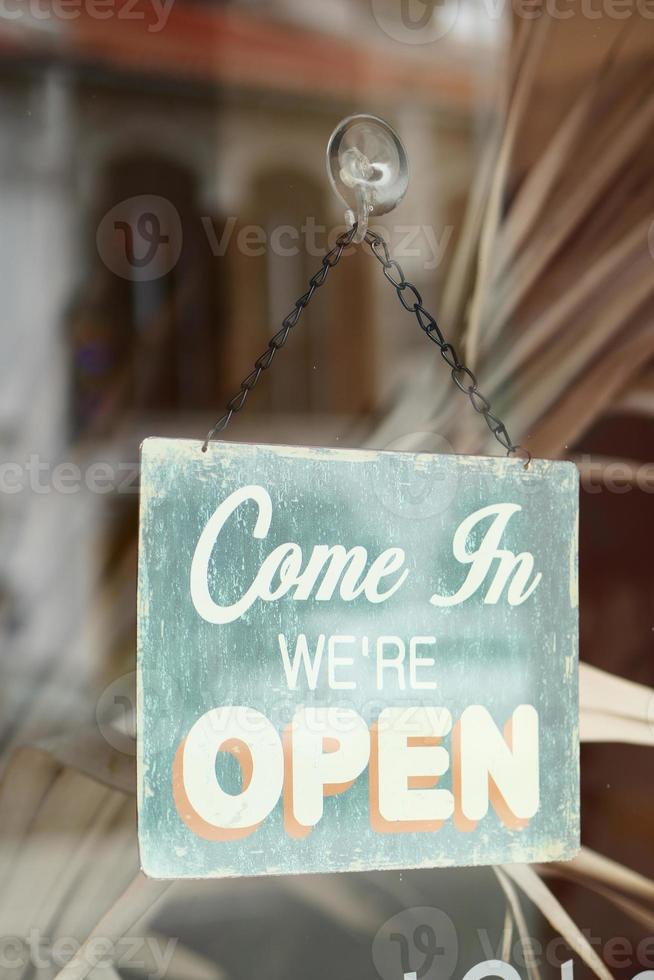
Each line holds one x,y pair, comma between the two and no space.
357,173
368,169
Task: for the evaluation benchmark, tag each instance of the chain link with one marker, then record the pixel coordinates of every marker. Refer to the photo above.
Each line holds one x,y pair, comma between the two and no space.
410,298
263,362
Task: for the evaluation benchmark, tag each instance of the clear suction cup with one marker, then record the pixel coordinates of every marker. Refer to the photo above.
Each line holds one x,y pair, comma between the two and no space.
367,167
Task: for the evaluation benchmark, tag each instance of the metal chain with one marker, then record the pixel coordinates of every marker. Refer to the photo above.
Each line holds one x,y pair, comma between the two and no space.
275,343
411,300
462,376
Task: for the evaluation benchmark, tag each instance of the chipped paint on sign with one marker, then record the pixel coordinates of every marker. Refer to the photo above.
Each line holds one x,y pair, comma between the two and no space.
354,660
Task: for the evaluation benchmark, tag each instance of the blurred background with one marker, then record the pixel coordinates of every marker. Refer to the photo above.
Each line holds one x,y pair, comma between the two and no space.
164,202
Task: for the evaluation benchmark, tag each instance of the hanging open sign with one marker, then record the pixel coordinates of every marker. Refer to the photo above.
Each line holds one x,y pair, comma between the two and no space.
354,660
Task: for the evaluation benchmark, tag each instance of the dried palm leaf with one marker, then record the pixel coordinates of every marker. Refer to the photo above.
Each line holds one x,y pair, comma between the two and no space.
460,277
75,826
613,709
536,890
563,220
557,315
518,916
633,910
507,934
589,864
87,751
551,165
518,103
134,908
599,727
639,399
605,379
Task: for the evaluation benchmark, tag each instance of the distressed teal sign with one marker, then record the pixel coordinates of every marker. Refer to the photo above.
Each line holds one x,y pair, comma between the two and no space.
353,660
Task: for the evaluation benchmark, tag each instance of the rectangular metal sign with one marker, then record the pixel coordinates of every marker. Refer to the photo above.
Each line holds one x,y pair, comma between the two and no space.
354,660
